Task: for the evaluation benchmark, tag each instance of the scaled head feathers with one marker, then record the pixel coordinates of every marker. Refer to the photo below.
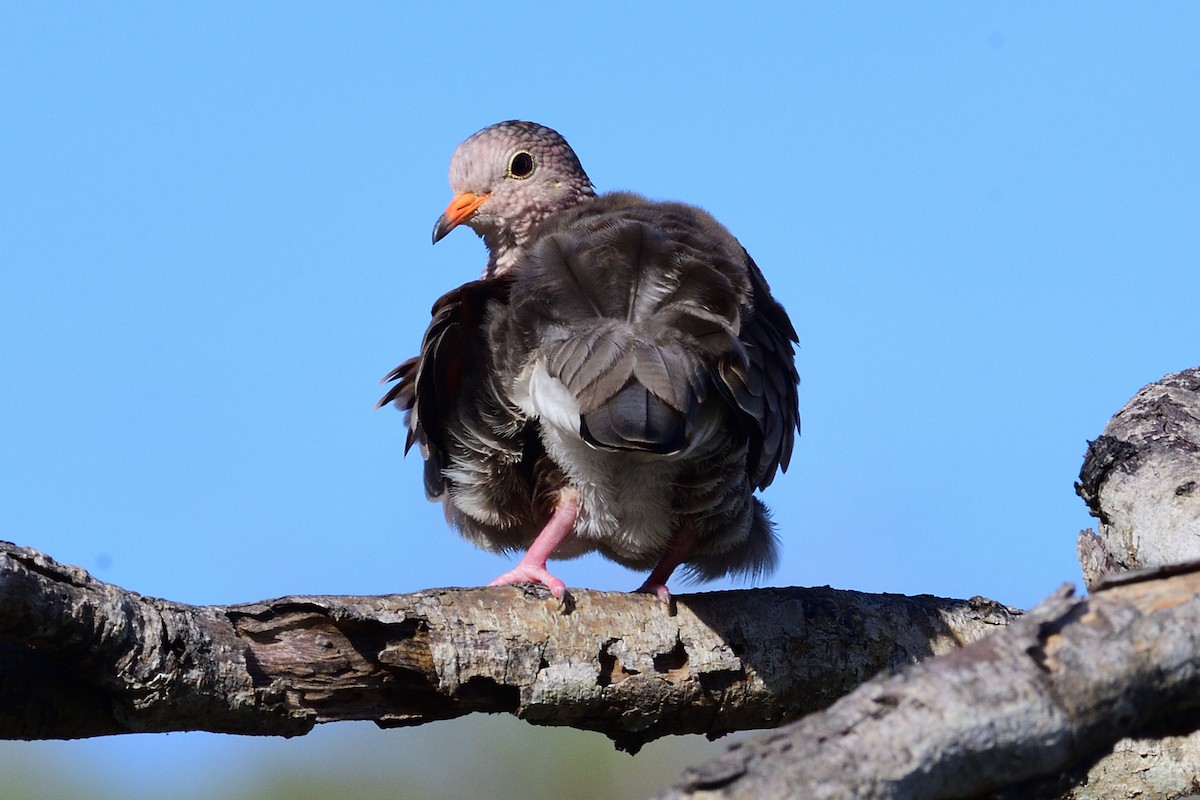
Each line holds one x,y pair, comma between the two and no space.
507,178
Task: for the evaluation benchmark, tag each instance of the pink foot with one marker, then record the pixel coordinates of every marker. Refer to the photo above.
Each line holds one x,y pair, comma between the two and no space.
532,567
659,590
532,573
680,548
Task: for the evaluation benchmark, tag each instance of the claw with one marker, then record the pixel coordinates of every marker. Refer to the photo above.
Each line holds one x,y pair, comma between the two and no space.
659,590
533,573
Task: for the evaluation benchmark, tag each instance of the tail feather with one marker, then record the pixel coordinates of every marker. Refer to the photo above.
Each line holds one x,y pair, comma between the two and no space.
634,419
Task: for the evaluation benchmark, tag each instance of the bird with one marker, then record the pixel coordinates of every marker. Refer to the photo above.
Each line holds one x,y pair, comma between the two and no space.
619,379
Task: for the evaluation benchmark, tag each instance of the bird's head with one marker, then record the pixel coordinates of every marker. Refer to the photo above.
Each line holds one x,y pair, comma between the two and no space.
507,178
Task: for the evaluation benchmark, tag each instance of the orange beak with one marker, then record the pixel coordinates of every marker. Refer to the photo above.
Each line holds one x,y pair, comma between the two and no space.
460,210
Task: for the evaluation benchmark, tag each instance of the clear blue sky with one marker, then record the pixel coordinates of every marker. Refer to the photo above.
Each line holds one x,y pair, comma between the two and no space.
984,219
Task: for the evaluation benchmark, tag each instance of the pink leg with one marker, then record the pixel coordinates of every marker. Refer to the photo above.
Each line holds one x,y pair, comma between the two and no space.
681,547
532,566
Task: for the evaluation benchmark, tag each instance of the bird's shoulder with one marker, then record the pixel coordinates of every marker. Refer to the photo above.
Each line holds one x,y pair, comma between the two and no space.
676,221
623,244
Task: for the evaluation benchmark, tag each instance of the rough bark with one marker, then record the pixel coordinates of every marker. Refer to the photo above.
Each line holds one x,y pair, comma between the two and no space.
1141,480
1021,714
84,658
1162,768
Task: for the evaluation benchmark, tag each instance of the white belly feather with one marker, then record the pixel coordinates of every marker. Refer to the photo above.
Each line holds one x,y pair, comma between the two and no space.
625,495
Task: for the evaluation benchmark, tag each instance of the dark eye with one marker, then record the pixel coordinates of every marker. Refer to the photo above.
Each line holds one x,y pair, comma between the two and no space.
520,165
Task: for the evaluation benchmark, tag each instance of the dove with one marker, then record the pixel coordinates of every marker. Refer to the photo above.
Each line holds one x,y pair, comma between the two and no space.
620,379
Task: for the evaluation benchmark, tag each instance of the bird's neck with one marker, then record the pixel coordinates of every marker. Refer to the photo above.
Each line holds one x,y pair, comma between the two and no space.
506,245
504,250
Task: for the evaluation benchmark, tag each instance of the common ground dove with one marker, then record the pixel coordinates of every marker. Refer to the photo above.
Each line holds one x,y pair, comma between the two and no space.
619,380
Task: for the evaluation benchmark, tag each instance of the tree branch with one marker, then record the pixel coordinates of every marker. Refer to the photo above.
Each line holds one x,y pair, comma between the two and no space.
86,658
1021,714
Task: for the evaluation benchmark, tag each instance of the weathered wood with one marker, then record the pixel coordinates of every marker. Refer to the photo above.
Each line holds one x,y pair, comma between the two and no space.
618,663
1010,716
1141,480
1162,767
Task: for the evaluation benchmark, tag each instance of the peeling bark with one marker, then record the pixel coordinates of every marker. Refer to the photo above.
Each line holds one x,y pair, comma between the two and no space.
622,664
1141,480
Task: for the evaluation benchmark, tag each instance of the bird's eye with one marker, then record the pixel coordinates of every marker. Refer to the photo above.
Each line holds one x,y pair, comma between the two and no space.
520,165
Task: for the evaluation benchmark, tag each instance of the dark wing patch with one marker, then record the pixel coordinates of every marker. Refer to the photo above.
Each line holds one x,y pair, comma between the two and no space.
763,384
429,387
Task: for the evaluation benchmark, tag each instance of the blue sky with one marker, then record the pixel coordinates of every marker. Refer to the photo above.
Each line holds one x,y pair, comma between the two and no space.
214,232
